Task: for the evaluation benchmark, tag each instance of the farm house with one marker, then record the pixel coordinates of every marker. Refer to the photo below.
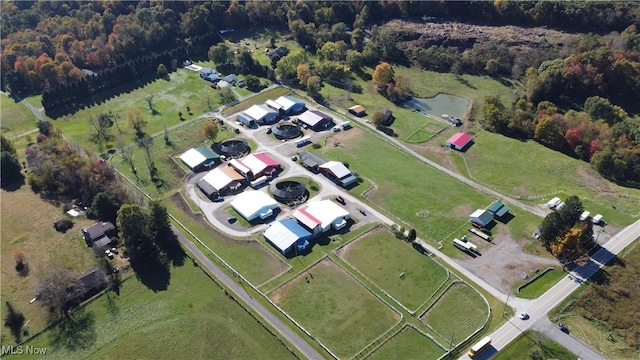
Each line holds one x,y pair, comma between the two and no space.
200,158
481,217
287,235
339,173
459,141
252,205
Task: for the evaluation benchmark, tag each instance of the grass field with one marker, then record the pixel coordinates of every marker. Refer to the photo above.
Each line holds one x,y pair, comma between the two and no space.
249,258
193,319
405,186
383,258
184,89
541,284
258,99
533,345
16,118
458,313
534,171
335,308
408,344
27,226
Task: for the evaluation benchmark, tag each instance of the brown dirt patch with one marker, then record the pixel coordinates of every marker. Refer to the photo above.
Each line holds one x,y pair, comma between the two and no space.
593,180
502,262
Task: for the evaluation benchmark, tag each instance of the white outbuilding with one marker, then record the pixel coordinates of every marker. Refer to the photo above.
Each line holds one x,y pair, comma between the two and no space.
321,216
252,205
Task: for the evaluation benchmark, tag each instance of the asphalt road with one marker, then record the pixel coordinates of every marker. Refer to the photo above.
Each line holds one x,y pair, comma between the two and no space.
538,309
239,292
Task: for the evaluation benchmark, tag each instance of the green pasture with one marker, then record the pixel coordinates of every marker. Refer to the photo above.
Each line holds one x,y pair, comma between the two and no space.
335,308
425,84
541,284
408,344
193,318
458,313
257,99
533,345
407,187
534,173
184,89
248,257
15,118
163,156
407,275
26,226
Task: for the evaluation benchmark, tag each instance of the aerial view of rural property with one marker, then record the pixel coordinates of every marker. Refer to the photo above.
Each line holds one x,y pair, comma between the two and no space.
352,180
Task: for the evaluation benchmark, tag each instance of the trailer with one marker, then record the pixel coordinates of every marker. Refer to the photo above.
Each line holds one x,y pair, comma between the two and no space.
480,234
461,245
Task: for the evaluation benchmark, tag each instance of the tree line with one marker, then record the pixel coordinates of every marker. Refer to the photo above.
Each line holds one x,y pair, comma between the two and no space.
47,43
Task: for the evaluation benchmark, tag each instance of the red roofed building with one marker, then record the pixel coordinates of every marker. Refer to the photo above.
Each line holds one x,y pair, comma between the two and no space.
308,221
459,141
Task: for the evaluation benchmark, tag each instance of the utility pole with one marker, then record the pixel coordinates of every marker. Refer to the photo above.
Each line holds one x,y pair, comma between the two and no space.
504,311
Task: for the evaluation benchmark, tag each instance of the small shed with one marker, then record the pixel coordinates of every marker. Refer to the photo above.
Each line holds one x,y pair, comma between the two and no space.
358,110
481,217
459,141
92,282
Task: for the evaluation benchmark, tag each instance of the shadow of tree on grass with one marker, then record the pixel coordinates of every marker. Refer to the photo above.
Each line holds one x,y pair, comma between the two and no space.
76,331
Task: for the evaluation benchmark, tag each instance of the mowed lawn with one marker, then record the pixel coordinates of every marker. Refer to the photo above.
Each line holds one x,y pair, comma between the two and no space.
192,319
408,344
335,308
27,227
394,266
15,118
184,89
423,197
530,171
251,259
458,313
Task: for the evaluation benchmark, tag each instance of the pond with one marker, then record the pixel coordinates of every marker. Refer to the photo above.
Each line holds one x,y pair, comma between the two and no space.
440,104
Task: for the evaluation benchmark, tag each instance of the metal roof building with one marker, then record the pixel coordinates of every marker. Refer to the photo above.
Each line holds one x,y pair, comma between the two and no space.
498,209
316,120
291,105
481,217
287,235
262,114
311,161
339,173
223,178
321,216
255,165
200,158
253,204
459,141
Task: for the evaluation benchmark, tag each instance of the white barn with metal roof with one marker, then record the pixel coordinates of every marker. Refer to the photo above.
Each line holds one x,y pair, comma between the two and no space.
252,205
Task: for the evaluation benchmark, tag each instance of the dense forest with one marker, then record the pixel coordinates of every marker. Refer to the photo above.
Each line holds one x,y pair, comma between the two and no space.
72,50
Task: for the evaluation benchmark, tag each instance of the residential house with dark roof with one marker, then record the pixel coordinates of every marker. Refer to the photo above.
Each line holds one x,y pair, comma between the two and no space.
98,234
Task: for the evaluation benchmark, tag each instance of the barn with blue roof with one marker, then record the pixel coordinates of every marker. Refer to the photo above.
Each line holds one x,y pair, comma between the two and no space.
288,235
